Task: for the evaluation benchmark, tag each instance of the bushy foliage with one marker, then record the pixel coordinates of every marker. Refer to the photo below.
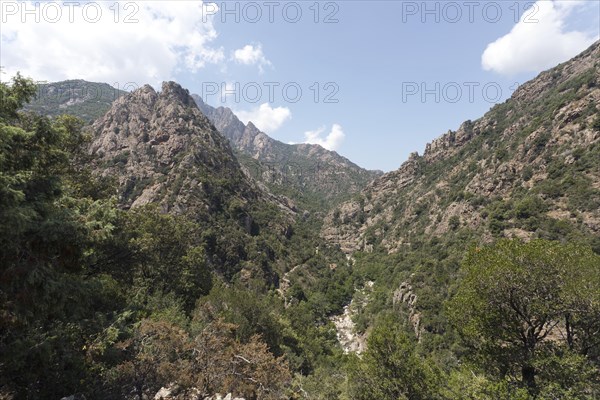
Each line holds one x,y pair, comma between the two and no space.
523,307
391,369
212,361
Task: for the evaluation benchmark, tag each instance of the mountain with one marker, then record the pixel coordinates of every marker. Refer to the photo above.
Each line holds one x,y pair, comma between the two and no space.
528,168
86,100
314,177
150,140
162,150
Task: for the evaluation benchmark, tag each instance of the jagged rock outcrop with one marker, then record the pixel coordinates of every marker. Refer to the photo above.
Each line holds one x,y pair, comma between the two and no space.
528,167
247,138
405,295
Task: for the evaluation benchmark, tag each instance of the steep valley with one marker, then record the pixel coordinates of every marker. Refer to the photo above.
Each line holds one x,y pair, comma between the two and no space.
161,248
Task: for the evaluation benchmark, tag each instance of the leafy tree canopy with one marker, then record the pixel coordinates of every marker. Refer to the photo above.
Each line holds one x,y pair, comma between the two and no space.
522,304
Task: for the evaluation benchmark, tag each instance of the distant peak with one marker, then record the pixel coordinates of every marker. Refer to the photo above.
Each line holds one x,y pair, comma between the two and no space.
171,86
226,111
146,89
253,131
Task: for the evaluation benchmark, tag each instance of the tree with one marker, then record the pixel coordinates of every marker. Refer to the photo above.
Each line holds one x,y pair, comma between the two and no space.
251,312
518,302
466,384
14,96
390,368
159,354
50,299
168,256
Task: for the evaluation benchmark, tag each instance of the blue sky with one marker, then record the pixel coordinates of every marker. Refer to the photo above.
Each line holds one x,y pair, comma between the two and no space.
399,73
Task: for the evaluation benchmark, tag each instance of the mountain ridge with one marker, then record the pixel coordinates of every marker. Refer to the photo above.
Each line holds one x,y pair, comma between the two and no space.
485,159
189,277
309,175
298,170
86,100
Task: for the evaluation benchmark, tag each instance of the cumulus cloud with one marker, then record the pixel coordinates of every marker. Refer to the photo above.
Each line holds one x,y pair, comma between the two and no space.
331,141
539,40
145,42
251,55
265,117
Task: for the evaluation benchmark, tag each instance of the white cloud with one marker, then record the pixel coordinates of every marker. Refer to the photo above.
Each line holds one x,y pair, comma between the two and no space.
161,38
538,41
251,55
332,141
265,117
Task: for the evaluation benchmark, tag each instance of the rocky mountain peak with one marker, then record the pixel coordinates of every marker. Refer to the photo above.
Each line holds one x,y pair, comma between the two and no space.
145,89
145,95
251,127
174,92
163,149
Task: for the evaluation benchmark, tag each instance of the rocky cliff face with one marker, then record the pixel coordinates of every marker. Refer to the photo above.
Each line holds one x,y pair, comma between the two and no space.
528,168
404,296
163,150
308,173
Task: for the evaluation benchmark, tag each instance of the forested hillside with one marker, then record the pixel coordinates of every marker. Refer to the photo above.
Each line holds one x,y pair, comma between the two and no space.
85,100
